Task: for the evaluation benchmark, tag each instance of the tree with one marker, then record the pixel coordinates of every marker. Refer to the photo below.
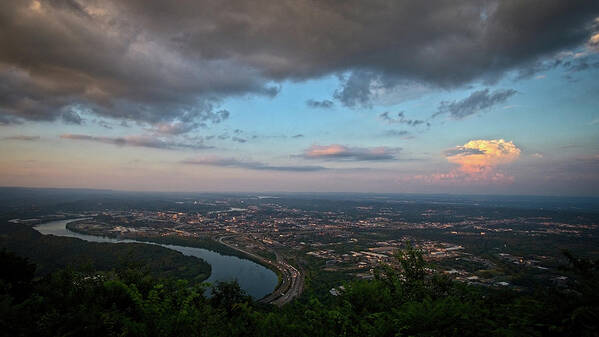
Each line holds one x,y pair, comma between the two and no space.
16,275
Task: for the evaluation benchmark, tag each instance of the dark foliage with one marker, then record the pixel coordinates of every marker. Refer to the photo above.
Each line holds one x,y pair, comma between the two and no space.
50,253
403,301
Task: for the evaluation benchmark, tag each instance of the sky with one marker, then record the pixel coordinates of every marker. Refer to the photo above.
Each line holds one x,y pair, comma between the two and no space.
463,97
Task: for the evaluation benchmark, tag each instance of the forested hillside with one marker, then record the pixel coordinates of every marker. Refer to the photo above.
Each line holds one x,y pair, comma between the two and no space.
402,301
51,253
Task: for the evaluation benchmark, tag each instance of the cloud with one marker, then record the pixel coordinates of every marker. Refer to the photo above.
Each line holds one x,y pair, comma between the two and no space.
98,58
142,60
397,133
357,88
582,64
174,128
344,153
593,42
462,151
22,137
536,67
400,119
239,140
480,157
477,101
363,88
141,141
178,127
299,135
10,120
71,117
250,165
324,104
479,163
103,123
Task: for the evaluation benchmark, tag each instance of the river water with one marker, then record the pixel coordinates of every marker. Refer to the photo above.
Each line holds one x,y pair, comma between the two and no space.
257,280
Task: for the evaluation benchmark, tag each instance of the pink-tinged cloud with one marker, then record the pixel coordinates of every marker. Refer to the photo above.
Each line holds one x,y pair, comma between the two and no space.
250,165
140,141
478,161
345,153
482,156
594,41
174,128
22,137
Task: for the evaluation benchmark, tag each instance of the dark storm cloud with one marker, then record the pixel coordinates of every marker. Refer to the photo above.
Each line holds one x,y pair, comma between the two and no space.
324,104
9,120
141,141
71,117
157,62
52,58
251,165
477,101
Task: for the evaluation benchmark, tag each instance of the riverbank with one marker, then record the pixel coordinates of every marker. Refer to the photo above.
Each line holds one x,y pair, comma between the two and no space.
255,278
291,280
53,252
196,242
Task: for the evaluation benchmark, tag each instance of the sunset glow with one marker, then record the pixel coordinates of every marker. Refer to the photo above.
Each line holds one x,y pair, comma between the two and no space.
469,98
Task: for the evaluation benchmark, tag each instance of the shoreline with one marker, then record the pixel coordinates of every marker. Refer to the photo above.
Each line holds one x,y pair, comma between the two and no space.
217,246
191,242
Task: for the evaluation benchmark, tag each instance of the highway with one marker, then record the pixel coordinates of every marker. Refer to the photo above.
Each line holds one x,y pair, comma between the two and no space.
292,280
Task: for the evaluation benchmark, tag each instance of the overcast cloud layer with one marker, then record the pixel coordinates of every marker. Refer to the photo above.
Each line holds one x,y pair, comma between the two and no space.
154,62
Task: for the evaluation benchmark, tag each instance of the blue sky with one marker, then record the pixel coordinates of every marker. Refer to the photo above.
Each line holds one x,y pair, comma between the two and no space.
253,114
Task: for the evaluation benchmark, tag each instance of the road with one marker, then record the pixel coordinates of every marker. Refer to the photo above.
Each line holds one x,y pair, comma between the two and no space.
290,289
292,280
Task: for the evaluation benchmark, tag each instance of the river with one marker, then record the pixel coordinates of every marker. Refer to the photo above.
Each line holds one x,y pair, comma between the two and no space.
257,280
